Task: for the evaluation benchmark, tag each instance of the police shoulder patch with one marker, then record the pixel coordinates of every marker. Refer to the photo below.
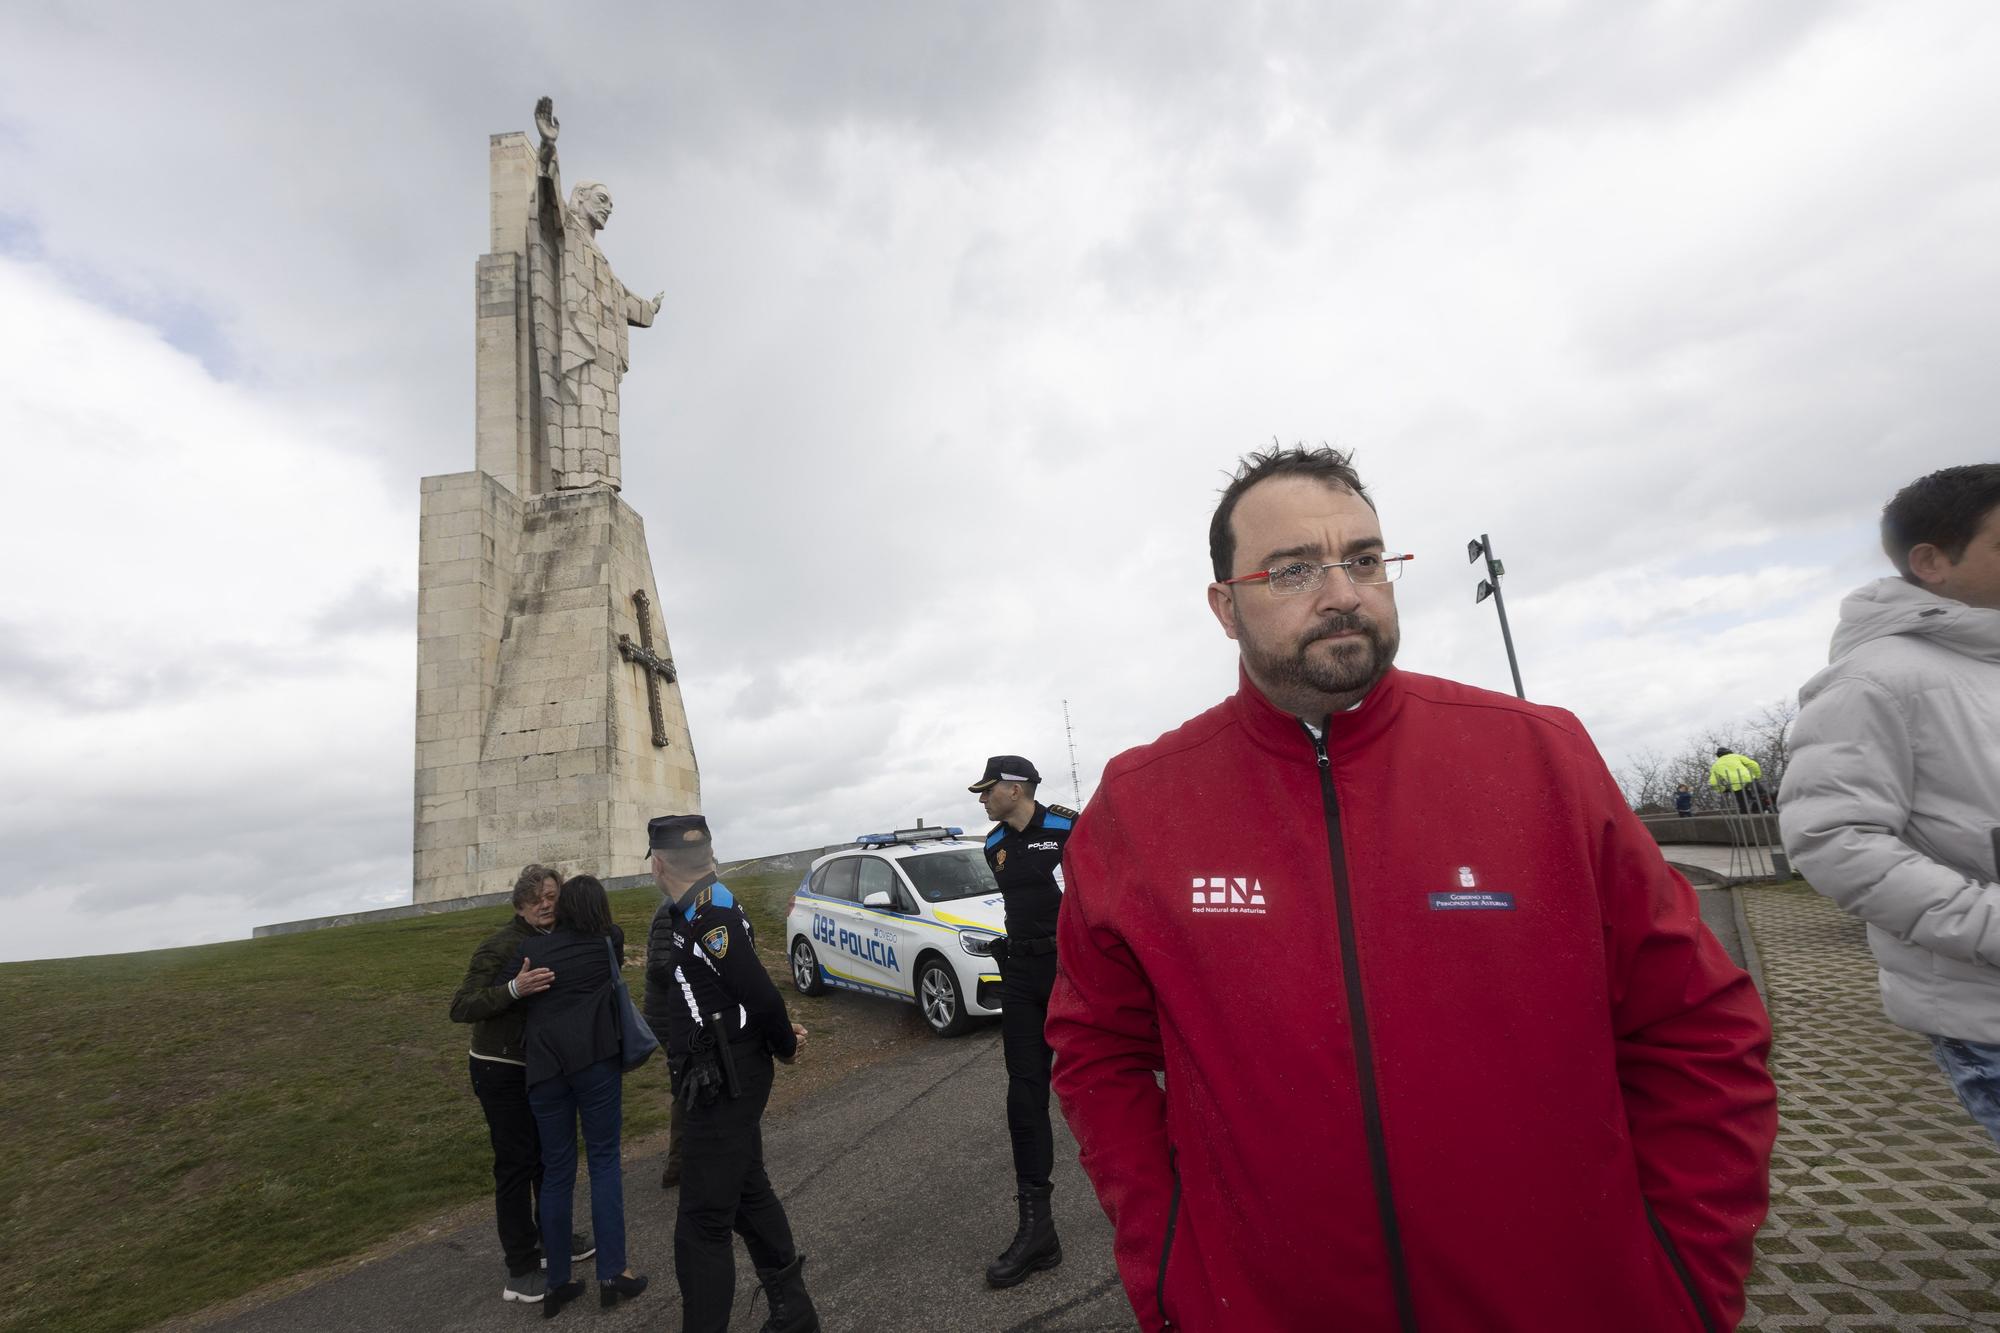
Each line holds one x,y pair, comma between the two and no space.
1063,812
717,941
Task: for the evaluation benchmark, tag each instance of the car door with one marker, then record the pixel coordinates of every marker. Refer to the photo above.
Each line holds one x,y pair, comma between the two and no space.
888,943
835,921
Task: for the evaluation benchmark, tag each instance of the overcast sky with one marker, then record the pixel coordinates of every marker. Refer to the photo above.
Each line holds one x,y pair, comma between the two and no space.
969,310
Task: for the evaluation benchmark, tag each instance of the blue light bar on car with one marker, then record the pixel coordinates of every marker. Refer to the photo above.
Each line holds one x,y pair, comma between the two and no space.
907,835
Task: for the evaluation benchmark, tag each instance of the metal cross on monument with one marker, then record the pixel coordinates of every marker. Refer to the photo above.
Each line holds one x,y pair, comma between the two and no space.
657,668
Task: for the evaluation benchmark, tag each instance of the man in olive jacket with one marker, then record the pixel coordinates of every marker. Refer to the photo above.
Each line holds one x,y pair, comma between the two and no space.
500,1076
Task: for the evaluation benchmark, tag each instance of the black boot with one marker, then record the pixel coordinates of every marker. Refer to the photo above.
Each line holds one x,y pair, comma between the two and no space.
791,1309
1035,1244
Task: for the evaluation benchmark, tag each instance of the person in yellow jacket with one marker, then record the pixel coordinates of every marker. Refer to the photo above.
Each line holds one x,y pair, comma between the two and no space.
1732,772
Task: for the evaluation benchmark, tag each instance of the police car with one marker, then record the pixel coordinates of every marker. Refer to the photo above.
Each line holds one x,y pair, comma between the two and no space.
910,915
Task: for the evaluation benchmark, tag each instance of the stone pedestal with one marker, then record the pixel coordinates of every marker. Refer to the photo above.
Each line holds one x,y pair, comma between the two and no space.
535,740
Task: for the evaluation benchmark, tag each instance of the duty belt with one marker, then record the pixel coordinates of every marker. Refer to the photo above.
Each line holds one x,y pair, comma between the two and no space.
1029,948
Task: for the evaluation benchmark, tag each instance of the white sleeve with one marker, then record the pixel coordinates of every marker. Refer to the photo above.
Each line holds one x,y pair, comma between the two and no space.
1843,808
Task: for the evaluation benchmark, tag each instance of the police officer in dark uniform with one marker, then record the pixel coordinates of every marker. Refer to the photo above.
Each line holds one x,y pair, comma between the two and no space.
1025,851
723,1022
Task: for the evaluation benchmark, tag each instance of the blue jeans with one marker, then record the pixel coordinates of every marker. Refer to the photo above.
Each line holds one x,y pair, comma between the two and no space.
596,1096
1974,1070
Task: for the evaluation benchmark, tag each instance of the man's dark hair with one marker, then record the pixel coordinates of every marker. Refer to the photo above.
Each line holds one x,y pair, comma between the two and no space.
583,907
1322,464
688,859
1943,510
1723,751
528,885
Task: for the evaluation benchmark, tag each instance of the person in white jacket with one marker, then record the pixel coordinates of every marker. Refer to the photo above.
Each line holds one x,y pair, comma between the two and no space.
1891,803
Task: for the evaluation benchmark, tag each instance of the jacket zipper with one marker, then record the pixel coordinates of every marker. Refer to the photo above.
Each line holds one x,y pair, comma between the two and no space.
1364,1048
1680,1269
1167,1248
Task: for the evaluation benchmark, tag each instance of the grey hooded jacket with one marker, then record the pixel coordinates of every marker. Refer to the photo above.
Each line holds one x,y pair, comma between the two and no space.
1891,802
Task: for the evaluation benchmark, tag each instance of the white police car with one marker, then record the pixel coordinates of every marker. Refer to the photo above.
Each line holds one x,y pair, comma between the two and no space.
911,915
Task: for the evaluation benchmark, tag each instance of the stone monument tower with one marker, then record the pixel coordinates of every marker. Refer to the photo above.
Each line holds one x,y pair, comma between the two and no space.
549,718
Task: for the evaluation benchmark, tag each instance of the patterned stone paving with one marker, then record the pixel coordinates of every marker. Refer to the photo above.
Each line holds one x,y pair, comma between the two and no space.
1885,1204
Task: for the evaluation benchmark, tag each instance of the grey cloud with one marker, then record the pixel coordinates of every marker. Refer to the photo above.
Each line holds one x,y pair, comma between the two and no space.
1165,251
119,678
368,608
130,677
240,837
372,245
765,695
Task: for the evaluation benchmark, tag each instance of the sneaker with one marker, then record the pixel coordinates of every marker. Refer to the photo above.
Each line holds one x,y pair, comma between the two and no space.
527,1288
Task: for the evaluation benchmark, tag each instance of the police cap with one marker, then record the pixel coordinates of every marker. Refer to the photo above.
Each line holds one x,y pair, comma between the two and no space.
668,833
1005,768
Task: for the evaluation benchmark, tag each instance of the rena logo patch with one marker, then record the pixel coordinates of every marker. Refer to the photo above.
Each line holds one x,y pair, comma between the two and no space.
1225,895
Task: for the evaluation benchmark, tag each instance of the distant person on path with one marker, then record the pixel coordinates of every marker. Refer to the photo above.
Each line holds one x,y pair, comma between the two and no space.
1446,1044
1735,775
1024,851
575,1073
1684,802
493,1005
1891,804
723,1021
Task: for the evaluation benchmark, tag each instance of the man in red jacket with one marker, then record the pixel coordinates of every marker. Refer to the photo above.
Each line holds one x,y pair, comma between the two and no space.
1447,1047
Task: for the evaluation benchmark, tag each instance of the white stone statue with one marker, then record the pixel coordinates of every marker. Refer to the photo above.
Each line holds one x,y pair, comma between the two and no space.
580,313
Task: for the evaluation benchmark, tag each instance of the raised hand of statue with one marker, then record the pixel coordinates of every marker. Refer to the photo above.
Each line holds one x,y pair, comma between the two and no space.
658,299
545,120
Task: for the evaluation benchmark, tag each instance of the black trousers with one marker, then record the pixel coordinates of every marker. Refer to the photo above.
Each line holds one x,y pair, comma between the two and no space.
723,1190
502,1090
1025,984
676,1120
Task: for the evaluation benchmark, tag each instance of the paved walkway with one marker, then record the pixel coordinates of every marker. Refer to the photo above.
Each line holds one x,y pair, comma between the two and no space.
898,1182
1885,1209
1722,864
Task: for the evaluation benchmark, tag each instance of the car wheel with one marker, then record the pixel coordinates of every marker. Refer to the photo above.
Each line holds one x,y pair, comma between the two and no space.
805,968
940,1000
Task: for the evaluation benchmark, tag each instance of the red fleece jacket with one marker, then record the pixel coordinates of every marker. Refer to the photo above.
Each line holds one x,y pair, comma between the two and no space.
1446,1044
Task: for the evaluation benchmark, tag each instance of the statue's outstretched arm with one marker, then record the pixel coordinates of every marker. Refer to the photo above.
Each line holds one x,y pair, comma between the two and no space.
639,310
549,172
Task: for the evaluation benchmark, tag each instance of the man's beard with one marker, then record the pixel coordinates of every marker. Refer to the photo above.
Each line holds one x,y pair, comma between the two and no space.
1355,667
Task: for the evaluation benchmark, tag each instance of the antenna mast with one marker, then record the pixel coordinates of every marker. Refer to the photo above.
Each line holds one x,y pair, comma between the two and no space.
1075,784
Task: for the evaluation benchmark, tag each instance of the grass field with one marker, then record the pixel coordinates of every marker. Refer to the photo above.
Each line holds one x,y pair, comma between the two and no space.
186,1125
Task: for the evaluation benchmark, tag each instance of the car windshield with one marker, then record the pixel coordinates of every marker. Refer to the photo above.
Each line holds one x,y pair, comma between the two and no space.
943,876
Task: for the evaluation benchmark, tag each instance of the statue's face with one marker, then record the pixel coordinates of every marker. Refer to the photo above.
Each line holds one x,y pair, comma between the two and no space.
597,206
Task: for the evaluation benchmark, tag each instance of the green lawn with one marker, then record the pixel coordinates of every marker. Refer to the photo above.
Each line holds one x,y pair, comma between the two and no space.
186,1125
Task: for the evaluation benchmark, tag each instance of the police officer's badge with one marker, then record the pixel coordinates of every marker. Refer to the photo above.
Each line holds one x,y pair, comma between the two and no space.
1000,859
717,941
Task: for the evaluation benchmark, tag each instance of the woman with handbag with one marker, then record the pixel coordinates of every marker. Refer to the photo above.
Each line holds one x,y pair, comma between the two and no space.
576,1054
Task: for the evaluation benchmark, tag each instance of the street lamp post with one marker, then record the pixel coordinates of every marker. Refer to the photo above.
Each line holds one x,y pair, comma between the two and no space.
1490,587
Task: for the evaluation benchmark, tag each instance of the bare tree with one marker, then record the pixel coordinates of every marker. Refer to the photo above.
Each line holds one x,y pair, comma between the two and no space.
1649,780
1770,733
1645,784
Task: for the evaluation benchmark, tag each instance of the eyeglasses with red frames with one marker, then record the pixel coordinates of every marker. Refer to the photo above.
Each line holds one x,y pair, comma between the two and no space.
1297,577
